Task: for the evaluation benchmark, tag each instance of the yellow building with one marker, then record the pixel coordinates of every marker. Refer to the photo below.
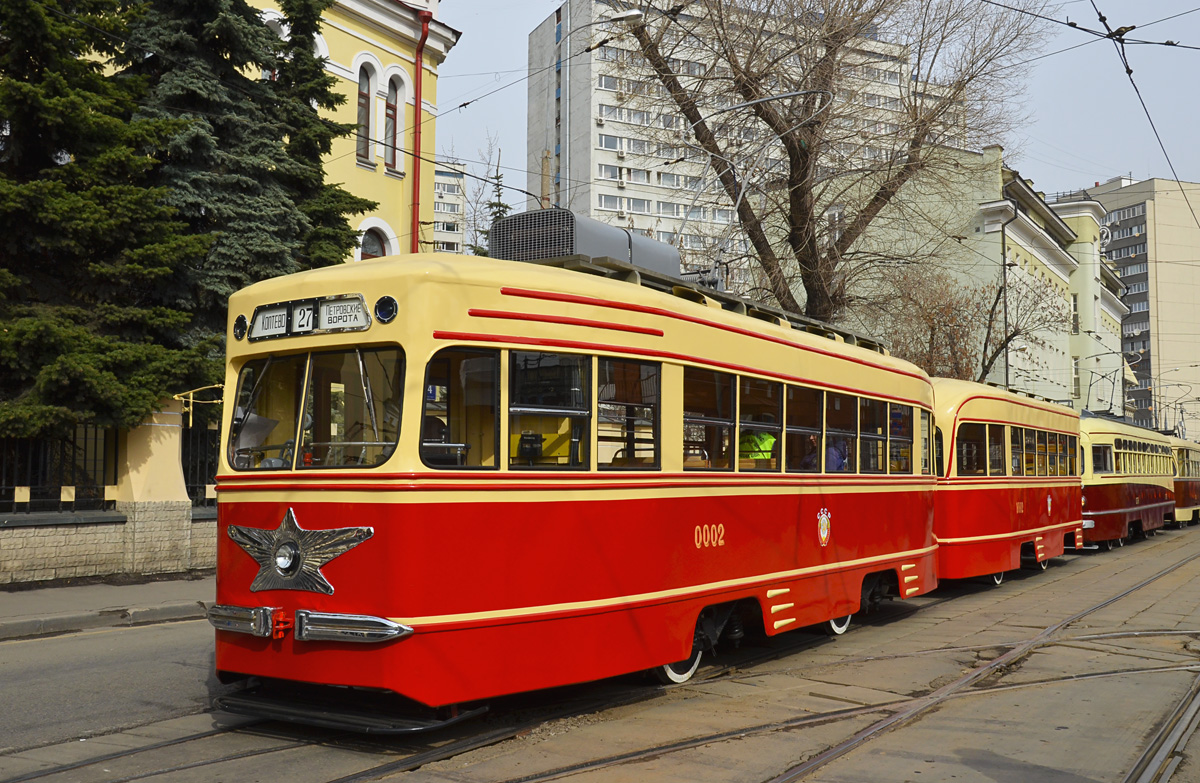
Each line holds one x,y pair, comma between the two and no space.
374,48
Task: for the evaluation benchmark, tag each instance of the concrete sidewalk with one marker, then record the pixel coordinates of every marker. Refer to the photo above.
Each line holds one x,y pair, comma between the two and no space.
51,610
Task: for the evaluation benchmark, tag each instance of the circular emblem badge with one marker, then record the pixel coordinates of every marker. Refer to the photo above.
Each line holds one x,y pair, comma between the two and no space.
823,517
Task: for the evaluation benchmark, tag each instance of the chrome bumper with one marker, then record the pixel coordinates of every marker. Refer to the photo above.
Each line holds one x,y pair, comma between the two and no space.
308,626
327,627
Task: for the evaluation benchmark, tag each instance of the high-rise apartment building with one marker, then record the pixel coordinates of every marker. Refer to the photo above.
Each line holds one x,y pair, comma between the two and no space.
605,140
1153,241
449,208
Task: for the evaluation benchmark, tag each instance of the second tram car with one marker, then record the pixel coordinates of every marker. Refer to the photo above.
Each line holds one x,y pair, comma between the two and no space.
1128,481
1010,488
453,478
1187,481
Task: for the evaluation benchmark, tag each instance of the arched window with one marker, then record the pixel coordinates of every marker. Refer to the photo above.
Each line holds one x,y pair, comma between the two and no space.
364,114
373,244
390,125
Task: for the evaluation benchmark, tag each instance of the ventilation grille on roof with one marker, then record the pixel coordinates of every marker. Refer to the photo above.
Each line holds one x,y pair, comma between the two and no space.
543,233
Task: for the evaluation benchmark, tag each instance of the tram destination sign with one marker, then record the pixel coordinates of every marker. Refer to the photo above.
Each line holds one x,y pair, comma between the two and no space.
342,313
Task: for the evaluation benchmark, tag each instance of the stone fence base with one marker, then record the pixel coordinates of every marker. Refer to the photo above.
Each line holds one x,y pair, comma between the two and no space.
136,538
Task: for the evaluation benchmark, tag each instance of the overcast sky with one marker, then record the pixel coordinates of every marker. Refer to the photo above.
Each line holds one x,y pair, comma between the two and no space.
1087,124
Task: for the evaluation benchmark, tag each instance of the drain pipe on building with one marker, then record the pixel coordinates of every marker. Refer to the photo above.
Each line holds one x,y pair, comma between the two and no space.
425,17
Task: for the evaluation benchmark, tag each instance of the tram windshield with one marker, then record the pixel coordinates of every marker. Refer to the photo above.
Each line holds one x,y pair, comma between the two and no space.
343,407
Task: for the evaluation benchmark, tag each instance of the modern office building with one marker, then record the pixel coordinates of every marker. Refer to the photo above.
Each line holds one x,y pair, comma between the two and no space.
1153,239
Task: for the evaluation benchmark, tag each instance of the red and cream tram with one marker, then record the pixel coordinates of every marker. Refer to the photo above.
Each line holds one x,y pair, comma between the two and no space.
1010,480
1128,481
1187,481
452,478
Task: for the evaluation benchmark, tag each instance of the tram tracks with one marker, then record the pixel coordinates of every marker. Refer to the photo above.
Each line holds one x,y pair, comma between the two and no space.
892,707
891,714
927,703
901,711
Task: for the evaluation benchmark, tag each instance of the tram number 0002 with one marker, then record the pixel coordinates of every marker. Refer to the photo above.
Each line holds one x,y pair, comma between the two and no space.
710,535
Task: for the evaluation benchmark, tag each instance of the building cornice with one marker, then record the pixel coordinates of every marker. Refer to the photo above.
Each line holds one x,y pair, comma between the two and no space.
1071,209
1112,305
393,20
1031,200
1026,232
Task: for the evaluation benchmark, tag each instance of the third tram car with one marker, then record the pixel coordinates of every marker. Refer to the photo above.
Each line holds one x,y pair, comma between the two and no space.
1128,481
1010,488
1187,481
452,478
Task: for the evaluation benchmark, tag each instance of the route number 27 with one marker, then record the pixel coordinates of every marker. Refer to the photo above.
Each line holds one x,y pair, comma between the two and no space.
710,535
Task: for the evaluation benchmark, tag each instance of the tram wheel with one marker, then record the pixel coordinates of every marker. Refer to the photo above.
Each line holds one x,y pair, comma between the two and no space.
837,626
1121,541
998,578
1043,564
680,671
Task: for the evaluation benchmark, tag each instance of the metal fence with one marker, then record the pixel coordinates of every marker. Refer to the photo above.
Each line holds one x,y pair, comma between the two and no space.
199,454
58,473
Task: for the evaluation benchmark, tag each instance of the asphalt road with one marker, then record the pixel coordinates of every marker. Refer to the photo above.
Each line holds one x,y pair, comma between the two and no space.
1056,677
64,688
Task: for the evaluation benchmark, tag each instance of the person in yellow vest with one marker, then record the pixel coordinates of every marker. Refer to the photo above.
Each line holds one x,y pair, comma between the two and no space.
756,444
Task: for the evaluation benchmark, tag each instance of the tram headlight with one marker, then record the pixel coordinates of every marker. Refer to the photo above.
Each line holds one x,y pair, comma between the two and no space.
239,327
287,558
386,309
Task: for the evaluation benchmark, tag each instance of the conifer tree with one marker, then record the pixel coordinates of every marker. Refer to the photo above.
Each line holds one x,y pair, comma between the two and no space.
90,257
304,88
227,171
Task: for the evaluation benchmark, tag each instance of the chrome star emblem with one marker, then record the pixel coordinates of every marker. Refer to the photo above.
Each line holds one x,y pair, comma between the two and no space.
290,557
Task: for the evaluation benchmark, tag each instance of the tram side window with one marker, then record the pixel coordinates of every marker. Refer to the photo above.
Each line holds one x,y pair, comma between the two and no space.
1016,444
1073,451
460,426
841,433
1041,453
263,429
1064,459
1052,454
352,408
995,449
972,446
803,437
873,432
549,409
627,395
1030,452
1102,458
900,438
708,420
926,445
760,415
